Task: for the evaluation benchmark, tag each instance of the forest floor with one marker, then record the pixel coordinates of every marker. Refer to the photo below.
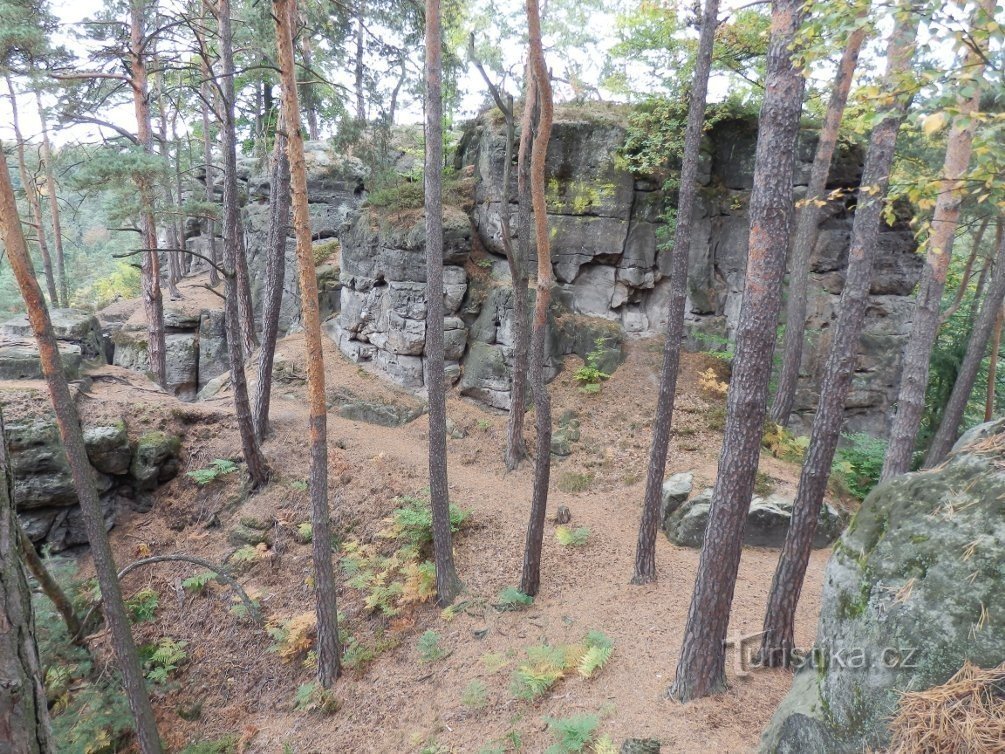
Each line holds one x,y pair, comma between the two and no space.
240,679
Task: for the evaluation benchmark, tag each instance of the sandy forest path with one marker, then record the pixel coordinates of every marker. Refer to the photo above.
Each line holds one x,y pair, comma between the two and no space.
398,703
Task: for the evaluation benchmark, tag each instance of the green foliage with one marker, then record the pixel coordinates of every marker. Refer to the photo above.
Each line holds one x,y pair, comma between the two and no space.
413,521
764,485
476,695
547,664
512,598
599,648
218,468
160,660
197,584
123,282
574,733
781,443
590,373
305,533
429,647
313,697
142,606
225,745
569,537
857,465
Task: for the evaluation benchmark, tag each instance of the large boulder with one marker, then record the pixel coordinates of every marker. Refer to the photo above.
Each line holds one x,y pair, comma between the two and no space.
767,522
19,360
911,592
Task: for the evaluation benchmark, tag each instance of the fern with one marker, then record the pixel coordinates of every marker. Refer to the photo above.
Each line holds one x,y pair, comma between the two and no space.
598,653
572,537
163,658
218,468
143,605
312,697
574,734
197,584
512,598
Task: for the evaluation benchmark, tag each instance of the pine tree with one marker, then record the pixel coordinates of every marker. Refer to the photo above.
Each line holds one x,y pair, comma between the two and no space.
72,437
779,620
447,582
925,325
807,221
531,579
701,668
645,552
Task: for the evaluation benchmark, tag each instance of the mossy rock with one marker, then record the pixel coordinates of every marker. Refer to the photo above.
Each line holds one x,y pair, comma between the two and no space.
155,459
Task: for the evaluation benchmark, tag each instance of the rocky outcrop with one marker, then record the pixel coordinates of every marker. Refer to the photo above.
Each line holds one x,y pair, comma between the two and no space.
609,264
910,593
78,336
44,494
767,521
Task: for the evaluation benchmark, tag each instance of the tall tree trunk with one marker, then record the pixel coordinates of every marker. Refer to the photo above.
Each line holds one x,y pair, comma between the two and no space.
173,237
531,579
447,582
996,340
952,414
309,88
516,258
31,196
925,327
72,437
701,668
50,187
24,715
968,271
153,303
275,274
645,552
358,72
245,305
807,220
205,100
324,574
779,620
258,469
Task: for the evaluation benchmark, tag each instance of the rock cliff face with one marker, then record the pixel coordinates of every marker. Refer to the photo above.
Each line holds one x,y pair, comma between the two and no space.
610,265
910,593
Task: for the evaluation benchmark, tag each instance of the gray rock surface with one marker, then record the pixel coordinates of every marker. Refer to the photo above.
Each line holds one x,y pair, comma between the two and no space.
909,595
767,522
73,326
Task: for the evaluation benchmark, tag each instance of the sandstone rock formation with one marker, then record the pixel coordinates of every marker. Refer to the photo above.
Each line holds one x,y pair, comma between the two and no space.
910,593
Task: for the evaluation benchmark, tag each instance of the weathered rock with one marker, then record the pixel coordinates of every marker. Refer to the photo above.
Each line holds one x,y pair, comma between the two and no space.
20,361
242,535
108,448
373,411
72,326
213,358
640,746
674,493
907,596
155,460
767,522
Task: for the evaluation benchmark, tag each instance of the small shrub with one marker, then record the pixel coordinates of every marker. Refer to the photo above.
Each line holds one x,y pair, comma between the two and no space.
429,647
142,606
590,373
484,425
476,695
569,537
313,697
574,733
160,660
512,598
573,482
197,584
413,521
218,468
711,385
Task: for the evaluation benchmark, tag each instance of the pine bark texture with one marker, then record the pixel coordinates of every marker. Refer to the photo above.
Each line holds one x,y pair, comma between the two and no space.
447,582
980,334
996,340
779,621
530,581
31,197
805,237
258,469
275,273
946,216
24,716
205,99
701,668
72,436
645,552
153,302
324,574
